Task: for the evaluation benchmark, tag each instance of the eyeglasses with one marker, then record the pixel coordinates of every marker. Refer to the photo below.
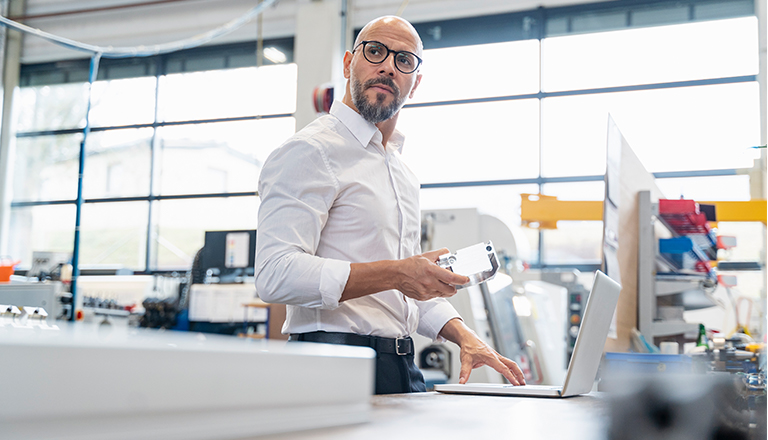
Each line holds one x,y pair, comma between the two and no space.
375,52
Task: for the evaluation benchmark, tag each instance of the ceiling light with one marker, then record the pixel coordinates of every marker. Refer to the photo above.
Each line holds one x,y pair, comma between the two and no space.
275,55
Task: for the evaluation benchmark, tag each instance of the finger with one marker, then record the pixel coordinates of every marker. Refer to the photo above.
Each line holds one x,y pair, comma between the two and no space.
444,289
499,366
466,369
449,277
432,255
514,368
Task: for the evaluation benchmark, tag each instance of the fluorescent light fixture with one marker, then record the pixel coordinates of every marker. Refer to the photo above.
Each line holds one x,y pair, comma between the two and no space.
275,55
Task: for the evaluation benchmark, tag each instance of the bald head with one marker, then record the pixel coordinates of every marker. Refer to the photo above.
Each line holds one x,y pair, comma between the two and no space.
377,89
393,24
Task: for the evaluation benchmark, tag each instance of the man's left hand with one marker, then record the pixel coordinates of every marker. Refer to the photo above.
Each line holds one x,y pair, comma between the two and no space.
476,353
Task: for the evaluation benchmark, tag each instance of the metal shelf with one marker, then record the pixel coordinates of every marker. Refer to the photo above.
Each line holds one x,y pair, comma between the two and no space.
676,289
693,292
671,328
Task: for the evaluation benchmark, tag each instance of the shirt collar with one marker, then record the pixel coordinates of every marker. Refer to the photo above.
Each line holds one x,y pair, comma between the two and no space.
361,129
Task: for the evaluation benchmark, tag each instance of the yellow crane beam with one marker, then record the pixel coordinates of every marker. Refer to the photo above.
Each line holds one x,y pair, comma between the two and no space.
541,211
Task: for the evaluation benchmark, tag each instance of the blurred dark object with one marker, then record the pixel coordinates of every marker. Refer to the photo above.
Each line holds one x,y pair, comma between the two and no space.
436,357
681,407
101,303
159,313
195,275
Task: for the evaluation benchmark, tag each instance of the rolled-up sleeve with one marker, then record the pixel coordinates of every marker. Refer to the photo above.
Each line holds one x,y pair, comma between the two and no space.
433,315
297,190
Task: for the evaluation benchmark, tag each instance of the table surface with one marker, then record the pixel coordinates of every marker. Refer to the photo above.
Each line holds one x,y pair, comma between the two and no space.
445,416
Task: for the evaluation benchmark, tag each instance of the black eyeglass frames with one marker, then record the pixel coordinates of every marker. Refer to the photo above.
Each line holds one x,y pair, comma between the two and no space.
375,52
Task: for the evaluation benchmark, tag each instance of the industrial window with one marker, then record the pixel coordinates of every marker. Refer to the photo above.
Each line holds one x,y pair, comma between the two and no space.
173,146
527,98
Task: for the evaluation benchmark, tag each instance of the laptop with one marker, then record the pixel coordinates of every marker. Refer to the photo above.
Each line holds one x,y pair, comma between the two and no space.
587,351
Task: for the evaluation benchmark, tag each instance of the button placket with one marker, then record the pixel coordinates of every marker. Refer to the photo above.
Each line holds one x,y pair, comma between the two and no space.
398,201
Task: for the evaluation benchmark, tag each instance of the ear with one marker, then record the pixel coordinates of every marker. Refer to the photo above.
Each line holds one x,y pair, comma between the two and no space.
347,63
418,81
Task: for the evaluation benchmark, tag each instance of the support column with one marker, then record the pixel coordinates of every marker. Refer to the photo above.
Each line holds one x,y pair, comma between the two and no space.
10,54
758,178
321,39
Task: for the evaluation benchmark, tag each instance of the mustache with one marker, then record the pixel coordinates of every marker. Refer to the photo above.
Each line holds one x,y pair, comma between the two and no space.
382,80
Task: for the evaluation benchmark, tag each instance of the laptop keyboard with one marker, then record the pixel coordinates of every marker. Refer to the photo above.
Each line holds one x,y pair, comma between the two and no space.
540,387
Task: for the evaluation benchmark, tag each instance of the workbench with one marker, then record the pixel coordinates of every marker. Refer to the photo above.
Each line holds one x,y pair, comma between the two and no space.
446,416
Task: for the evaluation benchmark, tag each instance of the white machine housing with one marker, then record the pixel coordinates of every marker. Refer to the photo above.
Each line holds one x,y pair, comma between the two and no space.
91,382
545,329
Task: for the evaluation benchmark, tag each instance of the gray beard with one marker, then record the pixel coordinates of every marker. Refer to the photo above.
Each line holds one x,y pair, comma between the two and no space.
378,112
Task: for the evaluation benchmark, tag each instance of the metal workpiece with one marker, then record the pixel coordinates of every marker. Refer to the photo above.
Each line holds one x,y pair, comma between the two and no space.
478,262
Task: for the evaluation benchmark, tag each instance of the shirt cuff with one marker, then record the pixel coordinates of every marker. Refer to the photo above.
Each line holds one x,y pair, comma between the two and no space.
434,319
333,278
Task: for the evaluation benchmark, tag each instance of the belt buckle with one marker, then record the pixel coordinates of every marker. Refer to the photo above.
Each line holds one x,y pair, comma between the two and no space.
397,347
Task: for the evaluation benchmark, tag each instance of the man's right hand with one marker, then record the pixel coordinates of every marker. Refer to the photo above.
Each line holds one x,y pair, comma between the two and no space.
419,277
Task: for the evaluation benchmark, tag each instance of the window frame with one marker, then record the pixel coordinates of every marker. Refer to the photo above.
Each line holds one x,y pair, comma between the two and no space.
157,67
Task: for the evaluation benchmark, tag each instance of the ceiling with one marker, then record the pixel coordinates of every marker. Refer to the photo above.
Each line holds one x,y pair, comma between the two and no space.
149,22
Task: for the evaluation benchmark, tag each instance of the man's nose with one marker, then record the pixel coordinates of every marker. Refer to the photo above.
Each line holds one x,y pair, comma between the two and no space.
387,67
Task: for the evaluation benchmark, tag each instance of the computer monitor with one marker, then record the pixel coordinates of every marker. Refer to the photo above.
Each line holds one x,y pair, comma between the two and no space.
228,254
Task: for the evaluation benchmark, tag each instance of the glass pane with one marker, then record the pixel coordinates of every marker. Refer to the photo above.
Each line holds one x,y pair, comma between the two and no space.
573,242
655,16
712,49
717,9
712,189
510,68
228,93
50,107
46,168
117,163
680,129
181,226
592,22
40,228
487,141
500,201
575,191
123,102
114,235
218,157
750,242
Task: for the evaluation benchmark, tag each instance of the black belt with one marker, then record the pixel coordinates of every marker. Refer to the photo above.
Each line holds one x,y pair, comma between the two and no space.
398,346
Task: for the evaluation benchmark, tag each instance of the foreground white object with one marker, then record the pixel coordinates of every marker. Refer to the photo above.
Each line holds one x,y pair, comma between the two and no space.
111,383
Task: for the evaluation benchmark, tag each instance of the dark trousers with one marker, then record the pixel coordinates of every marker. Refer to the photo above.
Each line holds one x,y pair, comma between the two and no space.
395,373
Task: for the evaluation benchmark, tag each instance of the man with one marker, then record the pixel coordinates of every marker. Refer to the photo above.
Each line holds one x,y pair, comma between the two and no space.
339,225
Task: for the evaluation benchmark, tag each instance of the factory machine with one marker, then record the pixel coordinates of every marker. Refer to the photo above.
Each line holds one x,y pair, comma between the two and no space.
530,316
115,299
216,296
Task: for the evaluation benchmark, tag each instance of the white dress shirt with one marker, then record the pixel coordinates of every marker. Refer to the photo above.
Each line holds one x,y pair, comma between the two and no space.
333,195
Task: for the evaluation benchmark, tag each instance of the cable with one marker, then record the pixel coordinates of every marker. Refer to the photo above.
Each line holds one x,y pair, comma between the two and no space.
402,7
142,51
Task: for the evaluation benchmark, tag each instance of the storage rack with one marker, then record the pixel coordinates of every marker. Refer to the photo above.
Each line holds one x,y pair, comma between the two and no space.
688,291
